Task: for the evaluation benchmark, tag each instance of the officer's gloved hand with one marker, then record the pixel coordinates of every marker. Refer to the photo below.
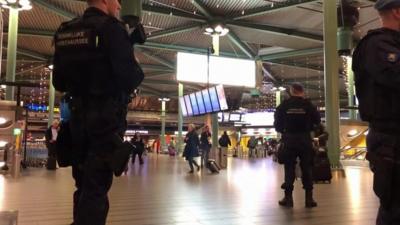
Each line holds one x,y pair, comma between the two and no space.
135,29
138,35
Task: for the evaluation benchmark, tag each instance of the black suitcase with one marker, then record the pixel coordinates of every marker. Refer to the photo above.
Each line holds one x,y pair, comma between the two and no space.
51,163
213,166
322,168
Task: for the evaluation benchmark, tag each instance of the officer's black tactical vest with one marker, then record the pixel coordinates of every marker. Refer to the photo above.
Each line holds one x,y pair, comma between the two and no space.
76,47
364,84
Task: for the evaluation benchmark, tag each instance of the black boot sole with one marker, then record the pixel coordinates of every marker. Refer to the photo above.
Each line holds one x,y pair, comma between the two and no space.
286,204
311,205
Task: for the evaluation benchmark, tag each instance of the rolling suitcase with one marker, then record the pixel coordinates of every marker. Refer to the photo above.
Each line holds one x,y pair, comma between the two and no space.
51,163
322,167
213,166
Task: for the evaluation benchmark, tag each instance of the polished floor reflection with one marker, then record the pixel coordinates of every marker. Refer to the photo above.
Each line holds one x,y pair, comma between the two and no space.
161,192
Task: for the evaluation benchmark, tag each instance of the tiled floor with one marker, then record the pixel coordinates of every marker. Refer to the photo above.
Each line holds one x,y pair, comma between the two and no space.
161,192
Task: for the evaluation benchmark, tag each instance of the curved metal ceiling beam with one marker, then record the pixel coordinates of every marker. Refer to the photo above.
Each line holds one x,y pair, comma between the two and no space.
298,65
57,10
173,13
242,46
31,54
202,8
294,53
278,30
173,31
157,58
268,9
181,48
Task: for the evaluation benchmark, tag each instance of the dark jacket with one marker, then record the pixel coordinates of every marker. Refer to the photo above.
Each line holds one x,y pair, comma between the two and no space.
376,66
204,140
192,145
106,69
224,141
296,115
139,144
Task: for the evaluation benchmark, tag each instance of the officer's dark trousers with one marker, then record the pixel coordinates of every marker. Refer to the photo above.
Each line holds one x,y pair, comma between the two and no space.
376,142
93,131
139,153
298,146
93,180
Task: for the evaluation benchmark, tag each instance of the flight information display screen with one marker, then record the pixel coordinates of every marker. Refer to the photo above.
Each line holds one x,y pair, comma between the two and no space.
194,104
221,97
214,99
200,103
183,106
188,105
207,101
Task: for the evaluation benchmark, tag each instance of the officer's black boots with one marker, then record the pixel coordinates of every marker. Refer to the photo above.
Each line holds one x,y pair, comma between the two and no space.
310,203
287,201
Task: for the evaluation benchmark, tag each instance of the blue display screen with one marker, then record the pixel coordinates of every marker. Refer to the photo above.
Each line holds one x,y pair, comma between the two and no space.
183,106
207,101
200,103
188,105
214,99
194,104
221,97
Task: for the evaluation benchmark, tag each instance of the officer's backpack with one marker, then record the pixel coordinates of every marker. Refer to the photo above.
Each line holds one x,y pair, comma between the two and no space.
76,45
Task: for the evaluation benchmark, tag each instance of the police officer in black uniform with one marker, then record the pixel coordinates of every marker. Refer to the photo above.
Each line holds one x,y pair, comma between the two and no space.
295,118
94,62
376,65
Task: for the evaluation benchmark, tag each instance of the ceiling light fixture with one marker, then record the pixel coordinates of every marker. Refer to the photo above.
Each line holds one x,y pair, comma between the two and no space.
216,29
16,4
280,88
164,99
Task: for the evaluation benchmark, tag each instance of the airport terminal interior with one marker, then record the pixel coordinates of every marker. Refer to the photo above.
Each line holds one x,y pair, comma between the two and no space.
222,63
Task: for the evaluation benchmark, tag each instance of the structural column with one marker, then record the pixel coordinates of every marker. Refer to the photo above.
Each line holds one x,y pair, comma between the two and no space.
162,137
331,81
351,88
214,116
180,120
11,51
51,99
278,98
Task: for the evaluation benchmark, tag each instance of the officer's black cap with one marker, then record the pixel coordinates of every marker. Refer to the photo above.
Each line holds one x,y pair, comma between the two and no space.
386,4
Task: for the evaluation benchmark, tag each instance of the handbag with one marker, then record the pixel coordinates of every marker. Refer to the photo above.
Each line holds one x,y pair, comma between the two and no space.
65,155
185,151
281,153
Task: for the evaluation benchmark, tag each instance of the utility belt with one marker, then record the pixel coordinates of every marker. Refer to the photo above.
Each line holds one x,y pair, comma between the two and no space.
385,162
